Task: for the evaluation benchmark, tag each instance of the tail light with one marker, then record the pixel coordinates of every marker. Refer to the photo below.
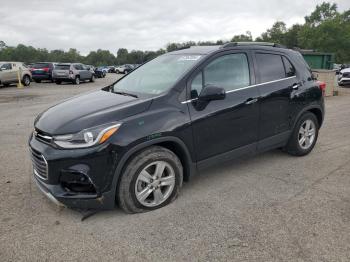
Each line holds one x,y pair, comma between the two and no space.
322,86
46,69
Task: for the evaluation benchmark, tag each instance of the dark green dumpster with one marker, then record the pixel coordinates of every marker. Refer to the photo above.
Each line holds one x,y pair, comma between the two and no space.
318,60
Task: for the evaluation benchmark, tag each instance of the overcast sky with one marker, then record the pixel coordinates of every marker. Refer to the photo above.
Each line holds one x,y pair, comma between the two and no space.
141,24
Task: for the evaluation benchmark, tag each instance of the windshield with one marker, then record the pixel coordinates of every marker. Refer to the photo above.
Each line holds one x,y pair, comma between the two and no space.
156,76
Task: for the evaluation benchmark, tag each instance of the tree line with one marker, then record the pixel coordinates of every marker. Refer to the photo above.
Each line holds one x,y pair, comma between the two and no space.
325,30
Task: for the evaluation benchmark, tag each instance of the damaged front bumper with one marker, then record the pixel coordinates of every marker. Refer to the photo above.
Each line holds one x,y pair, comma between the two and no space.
60,197
79,178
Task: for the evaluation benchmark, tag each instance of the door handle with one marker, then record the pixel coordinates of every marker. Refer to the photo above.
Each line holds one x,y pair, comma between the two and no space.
295,86
251,101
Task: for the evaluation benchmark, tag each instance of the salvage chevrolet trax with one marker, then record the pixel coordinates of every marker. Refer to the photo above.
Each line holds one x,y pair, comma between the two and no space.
133,143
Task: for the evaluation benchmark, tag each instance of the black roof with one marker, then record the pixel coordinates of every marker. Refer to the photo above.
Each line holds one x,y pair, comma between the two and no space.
204,50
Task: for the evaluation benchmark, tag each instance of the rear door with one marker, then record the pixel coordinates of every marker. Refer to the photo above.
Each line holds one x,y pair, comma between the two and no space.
6,72
87,72
82,72
276,79
229,124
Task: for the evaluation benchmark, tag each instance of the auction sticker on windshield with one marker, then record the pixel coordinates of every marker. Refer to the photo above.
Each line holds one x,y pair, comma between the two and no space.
189,58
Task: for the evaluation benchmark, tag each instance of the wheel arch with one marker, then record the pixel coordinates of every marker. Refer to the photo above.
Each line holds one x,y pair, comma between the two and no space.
24,75
316,110
176,145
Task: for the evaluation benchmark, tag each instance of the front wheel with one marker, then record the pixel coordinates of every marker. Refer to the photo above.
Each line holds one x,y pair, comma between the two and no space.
26,80
76,80
152,179
304,136
92,79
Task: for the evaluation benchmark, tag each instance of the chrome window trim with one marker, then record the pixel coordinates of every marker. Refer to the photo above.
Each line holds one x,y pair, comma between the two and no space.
246,87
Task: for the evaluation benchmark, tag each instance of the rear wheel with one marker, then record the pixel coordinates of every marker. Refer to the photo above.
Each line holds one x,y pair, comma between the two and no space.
26,80
152,179
304,136
58,82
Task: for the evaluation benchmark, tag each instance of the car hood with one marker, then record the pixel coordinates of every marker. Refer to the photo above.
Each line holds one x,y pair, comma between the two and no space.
346,70
89,110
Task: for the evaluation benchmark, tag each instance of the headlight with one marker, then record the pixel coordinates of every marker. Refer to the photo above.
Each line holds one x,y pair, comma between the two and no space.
87,137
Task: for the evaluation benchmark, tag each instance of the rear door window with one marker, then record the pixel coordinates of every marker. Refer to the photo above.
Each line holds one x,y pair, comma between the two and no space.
6,66
270,67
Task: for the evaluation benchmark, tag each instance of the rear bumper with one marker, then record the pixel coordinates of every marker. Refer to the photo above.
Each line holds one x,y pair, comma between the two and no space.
41,77
344,81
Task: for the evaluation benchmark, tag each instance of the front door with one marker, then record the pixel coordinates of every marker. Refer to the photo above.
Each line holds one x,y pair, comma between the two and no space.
228,124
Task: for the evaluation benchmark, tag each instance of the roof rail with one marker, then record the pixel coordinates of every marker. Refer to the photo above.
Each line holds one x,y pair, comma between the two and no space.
233,44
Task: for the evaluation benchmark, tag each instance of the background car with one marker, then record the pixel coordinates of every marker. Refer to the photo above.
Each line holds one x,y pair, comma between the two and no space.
9,72
111,69
124,69
344,77
72,72
42,71
99,73
105,69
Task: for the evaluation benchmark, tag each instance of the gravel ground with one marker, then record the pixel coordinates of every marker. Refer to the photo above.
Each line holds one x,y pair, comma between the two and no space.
272,207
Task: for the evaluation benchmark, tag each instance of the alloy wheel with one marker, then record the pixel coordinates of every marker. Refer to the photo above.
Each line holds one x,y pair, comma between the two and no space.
307,133
155,183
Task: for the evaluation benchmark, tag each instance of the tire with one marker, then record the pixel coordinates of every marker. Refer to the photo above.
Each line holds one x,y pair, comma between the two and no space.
76,80
37,81
58,82
295,146
26,80
6,84
92,79
117,72
131,182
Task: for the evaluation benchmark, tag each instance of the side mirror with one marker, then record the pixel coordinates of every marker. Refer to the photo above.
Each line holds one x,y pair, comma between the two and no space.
210,93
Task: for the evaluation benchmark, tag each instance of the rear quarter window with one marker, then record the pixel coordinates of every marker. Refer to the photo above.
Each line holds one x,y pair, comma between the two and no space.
270,67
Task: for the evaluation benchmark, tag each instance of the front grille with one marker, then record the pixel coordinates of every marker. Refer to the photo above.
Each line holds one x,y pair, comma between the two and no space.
39,164
346,75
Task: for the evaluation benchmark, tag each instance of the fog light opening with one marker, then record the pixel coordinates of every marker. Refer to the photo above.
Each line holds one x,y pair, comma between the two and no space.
77,182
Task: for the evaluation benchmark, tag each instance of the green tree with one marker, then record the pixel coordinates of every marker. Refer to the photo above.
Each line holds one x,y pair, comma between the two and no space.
122,56
247,37
325,11
276,34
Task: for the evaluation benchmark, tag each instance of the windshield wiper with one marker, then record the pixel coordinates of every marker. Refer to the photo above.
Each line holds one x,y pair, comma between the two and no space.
125,94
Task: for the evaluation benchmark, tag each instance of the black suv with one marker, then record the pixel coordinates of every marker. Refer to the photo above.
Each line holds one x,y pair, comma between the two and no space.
133,143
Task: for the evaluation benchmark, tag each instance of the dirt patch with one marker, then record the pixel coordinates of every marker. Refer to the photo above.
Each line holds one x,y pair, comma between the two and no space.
15,98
